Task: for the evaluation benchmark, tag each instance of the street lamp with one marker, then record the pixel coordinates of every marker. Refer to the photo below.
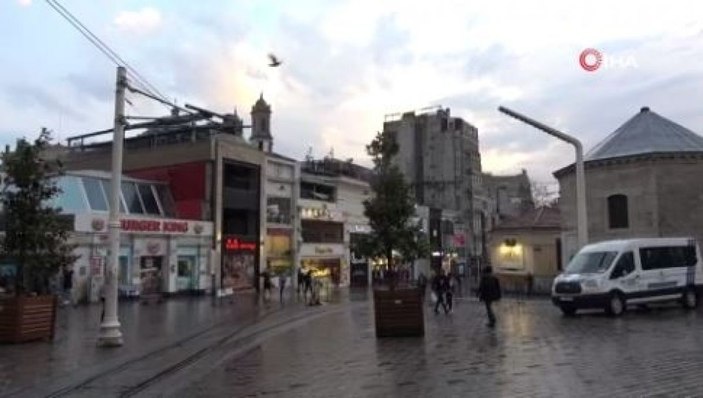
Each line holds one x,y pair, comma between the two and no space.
110,335
581,216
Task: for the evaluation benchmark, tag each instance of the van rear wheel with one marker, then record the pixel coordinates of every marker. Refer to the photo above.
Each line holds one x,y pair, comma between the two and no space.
690,299
616,304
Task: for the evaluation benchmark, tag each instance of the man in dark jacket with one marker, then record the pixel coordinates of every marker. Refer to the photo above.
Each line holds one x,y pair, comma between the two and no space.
440,285
488,292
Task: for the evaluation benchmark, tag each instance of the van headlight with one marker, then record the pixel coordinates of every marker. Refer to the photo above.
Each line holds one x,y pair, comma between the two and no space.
590,283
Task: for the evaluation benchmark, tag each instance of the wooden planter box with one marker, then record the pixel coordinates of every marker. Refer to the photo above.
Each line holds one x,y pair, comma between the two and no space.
27,318
398,313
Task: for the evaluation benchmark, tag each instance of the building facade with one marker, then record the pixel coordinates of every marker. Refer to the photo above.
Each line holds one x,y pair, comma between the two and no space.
331,214
508,195
526,250
159,253
439,156
643,180
215,174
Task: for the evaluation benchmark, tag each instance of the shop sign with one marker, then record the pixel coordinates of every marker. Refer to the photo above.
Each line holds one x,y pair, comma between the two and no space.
97,224
237,244
323,250
154,226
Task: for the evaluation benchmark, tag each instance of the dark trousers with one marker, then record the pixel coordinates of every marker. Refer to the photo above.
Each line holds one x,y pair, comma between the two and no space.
489,312
440,300
450,300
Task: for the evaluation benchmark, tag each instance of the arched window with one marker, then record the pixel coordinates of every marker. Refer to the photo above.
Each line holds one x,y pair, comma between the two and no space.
618,212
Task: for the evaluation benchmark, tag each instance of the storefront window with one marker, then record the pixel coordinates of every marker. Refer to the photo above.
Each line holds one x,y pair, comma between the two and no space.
107,188
96,196
71,198
129,191
148,198
167,204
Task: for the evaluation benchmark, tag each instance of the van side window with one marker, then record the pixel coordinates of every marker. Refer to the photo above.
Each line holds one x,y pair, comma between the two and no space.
624,266
667,257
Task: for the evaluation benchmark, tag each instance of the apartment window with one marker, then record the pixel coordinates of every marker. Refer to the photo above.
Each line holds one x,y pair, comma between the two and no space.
617,211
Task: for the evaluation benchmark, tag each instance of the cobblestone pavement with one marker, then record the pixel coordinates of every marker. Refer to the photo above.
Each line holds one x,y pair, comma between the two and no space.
41,368
533,352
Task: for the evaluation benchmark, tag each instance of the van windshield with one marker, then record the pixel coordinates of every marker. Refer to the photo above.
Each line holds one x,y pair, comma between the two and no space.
590,262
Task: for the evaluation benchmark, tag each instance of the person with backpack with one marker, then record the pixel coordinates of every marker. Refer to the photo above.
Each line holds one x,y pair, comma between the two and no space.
489,292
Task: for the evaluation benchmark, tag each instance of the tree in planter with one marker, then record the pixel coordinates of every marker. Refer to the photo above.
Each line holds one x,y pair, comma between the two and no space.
35,232
390,210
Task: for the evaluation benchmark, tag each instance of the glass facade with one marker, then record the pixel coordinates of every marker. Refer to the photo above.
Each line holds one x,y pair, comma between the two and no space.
92,193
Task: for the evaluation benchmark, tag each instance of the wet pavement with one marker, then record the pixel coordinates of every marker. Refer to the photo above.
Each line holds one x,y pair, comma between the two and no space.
44,368
190,348
533,352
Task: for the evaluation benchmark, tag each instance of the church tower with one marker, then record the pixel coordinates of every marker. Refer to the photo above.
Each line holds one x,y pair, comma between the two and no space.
261,125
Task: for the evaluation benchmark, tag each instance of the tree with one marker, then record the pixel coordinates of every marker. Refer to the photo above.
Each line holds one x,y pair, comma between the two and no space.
391,209
35,232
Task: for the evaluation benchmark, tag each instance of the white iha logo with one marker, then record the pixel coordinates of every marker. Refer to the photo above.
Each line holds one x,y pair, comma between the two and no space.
591,60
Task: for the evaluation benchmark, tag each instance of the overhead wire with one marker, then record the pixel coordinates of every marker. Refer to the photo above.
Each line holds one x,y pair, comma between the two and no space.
105,49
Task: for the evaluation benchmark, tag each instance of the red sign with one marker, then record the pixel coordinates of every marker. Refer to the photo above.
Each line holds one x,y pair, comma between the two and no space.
236,244
154,226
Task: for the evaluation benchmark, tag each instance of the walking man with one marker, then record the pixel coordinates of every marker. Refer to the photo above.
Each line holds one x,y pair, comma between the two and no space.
281,285
440,285
68,285
308,285
301,280
488,292
267,285
422,285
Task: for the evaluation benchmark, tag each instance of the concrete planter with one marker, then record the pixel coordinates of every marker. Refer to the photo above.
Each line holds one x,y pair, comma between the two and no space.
399,312
27,318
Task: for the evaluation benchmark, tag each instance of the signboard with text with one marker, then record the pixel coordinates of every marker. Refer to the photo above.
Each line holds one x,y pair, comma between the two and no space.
150,226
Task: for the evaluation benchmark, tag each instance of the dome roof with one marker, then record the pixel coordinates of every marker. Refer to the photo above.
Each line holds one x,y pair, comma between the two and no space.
646,132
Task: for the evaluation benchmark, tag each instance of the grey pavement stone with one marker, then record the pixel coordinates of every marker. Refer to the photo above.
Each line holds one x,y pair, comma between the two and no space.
534,351
39,368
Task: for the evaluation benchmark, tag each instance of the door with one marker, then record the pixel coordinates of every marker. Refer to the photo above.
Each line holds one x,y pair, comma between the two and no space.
626,277
186,273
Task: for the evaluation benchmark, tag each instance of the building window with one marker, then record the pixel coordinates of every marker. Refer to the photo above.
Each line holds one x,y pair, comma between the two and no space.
94,191
129,191
149,200
617,212
278,210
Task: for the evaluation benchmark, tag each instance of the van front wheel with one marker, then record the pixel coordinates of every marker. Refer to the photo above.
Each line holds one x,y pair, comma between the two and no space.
616,305
567,310
690,299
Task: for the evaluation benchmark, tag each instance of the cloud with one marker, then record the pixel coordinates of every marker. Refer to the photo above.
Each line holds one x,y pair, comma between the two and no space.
41,99
139,22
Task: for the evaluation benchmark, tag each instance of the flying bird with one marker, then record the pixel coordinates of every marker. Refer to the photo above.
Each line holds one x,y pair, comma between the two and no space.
274,61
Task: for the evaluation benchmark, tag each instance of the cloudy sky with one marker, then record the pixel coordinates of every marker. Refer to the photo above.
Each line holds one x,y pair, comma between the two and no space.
348,63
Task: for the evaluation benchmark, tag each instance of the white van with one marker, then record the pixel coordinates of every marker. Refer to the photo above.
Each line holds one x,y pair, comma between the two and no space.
613,274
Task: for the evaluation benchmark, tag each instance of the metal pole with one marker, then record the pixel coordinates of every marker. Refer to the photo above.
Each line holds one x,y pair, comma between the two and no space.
581,214
110,334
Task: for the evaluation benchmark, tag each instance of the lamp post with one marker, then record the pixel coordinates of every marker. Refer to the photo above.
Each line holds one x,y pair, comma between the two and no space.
110,335
581,215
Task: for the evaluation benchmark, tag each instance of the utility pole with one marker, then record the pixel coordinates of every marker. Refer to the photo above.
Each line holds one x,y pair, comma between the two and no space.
581,215
110,334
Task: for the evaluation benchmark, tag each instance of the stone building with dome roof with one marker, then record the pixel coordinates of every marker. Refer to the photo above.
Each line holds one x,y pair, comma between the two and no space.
643,180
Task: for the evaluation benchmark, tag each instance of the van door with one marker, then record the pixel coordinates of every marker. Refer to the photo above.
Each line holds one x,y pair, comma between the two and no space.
625,276
664,272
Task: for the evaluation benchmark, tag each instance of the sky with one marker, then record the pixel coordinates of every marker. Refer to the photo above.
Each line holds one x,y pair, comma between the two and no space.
349,63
